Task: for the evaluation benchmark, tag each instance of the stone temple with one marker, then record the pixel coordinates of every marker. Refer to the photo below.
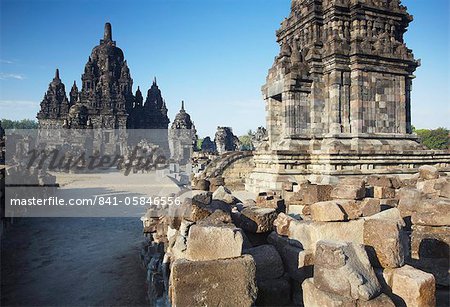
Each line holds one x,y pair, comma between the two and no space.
106,99
338,96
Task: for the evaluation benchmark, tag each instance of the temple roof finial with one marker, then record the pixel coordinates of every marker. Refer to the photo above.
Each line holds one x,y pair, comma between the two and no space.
108,32
57,73
182,105
154,81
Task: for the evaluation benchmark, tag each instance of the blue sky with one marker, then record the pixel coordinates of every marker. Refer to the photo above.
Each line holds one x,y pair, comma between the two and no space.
214,54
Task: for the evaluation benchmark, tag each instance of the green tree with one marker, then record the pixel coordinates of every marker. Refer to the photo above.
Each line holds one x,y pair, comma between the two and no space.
434,139
246,141
19,124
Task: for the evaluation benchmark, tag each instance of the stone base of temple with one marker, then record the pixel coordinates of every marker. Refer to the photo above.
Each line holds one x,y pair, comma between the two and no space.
325,160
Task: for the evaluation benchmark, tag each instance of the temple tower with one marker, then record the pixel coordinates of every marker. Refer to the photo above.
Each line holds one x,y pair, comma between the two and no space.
338,96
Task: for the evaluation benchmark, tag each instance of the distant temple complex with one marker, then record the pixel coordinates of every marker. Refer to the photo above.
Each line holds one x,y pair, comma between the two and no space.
338,97
106,99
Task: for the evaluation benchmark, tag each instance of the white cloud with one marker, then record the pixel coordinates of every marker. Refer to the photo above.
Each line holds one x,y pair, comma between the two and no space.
6,76
18,109
6,62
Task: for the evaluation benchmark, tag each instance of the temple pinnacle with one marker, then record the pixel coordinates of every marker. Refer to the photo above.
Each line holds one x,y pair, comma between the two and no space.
108,32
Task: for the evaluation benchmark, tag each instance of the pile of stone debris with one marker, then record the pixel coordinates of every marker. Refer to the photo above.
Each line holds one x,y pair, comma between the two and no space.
373,241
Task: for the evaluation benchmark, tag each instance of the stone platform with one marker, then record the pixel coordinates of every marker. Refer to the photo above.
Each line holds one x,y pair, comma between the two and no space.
325,160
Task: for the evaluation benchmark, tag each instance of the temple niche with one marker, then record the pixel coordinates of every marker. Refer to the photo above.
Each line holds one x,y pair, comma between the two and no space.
338,96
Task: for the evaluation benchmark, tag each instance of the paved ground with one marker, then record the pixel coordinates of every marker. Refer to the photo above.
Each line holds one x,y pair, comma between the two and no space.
72,262
75,260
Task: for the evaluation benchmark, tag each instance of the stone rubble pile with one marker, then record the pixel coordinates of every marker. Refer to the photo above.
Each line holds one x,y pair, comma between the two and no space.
373,241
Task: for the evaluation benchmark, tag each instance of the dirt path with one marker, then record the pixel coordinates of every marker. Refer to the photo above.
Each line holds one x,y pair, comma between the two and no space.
72,262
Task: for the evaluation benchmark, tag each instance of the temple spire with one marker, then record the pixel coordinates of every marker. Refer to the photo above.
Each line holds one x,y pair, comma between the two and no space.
108,32
57,74
154,81
182,105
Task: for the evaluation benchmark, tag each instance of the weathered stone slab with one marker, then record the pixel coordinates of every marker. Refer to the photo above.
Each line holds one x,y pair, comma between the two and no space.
218,217
344,269
308,233
445,189
370,206
209,242
383,192
202,185
392,214
327,211
382,239
281,224
409,199
379,181
348,192
314,297
431,188
433,212
226,282
428,172
258,220
268,262
410,286
313,193
203,198
225,195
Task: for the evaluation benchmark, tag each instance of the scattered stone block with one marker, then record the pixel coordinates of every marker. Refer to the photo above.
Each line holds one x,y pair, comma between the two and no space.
445,190
428,172
431,188
282,223
203,198
433,212
391,202
313,193
409,199
327,211
410,287
308,233
268,262
226,282
314,297
344,269
392,214
218,217
348,192
258,220
382,239
354,181
225,195
370,206
202,185
379,181
383,192
210,242
271,200
215,183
